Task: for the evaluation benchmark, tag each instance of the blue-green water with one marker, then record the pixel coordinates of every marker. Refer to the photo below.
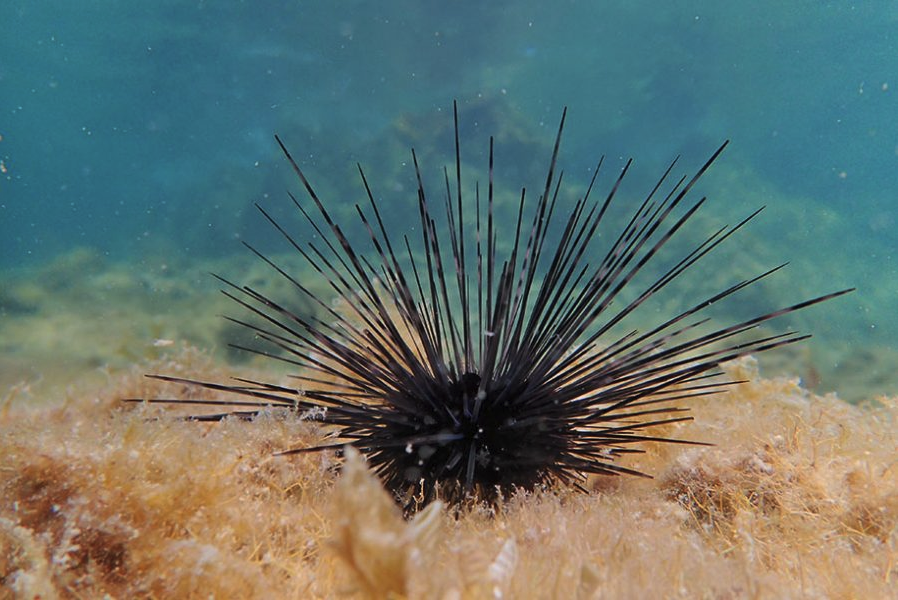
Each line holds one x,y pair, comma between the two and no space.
144,132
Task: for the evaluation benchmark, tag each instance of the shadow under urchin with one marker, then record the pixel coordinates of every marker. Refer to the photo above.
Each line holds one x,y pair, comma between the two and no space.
460,370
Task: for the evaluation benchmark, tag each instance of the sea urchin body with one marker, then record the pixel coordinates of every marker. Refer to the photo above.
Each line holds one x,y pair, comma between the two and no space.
458,368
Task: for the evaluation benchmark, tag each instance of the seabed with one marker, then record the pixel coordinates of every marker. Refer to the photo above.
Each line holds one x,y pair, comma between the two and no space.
797,499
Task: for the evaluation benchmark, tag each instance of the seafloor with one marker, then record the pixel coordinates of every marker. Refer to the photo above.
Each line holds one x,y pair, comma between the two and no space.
798,499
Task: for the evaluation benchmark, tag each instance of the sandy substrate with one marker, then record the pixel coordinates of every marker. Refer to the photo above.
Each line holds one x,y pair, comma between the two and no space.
798,499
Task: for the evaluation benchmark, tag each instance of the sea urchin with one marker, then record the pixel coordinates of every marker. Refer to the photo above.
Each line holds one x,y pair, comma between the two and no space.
458,368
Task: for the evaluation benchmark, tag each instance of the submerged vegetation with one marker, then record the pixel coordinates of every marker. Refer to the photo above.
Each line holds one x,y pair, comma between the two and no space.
798,502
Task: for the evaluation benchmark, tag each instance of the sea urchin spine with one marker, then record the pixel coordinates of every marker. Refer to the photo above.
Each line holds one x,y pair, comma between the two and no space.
456,371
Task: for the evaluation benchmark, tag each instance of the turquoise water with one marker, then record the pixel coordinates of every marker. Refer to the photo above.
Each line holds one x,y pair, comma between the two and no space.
136,138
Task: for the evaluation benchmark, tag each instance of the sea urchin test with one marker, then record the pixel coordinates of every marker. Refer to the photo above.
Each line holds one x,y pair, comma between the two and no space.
473,355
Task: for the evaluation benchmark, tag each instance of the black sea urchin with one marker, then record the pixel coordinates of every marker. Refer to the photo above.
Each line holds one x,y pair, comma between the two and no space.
456,370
